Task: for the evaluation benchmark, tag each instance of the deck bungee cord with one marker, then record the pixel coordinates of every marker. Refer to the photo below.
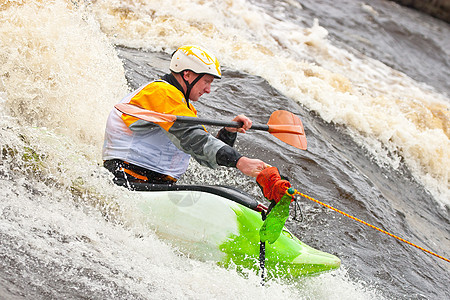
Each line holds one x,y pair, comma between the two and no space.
295,193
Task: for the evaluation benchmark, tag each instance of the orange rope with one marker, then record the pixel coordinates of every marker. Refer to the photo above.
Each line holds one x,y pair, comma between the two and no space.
374,227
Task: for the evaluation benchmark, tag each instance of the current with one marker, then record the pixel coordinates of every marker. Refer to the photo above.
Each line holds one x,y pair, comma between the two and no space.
369,81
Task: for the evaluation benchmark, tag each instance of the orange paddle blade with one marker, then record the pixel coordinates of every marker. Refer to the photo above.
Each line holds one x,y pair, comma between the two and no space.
287,127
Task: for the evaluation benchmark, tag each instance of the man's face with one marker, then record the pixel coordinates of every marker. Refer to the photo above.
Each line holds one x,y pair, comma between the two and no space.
201,87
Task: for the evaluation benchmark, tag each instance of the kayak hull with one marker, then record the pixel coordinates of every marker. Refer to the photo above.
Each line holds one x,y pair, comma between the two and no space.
210,227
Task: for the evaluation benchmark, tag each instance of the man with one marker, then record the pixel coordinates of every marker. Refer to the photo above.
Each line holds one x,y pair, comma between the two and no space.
140,151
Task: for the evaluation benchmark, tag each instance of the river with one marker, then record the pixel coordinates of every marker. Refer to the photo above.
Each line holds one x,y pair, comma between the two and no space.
368,80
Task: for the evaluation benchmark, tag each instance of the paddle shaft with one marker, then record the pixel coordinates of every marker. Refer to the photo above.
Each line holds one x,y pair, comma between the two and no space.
192,120
282,124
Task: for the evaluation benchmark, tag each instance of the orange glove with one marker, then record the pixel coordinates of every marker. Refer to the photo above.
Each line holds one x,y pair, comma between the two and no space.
272,185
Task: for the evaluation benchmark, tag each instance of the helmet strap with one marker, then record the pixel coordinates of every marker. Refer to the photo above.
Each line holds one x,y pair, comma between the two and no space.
189,86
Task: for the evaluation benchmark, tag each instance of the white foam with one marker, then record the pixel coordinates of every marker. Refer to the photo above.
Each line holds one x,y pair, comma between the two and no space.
58,70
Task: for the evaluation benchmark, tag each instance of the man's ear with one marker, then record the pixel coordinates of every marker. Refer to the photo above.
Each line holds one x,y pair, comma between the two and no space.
187,74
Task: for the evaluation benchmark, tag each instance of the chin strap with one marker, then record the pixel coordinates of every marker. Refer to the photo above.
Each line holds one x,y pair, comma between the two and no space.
189,86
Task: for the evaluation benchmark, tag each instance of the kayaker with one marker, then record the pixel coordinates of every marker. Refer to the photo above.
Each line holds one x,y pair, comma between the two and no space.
139,151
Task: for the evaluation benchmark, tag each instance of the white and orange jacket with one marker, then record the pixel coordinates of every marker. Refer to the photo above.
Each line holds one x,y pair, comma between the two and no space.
165,148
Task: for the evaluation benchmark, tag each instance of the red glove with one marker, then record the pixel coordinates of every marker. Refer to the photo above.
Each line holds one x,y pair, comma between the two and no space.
272,185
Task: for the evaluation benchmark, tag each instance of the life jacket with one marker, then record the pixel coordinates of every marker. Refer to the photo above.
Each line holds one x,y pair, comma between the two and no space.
146,144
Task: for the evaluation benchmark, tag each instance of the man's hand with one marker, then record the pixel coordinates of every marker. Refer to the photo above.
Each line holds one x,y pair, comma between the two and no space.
251,167
271,183
247,123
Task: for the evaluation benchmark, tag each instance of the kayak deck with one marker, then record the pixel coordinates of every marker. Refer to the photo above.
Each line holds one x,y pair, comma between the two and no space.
207,224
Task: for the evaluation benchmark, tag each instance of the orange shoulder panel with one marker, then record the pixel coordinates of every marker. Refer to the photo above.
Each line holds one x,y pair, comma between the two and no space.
161,97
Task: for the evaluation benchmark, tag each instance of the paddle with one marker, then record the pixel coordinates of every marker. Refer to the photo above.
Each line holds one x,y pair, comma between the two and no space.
282,124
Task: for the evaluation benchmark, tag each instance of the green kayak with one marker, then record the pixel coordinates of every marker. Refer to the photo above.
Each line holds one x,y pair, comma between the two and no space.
222,224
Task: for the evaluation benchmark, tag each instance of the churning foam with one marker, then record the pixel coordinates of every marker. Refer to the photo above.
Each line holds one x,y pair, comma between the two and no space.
58,70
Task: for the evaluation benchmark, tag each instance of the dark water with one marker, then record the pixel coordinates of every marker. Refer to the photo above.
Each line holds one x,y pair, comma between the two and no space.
404,39
336,171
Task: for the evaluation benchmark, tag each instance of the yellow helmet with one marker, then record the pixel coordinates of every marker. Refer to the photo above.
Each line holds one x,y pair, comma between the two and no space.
195,59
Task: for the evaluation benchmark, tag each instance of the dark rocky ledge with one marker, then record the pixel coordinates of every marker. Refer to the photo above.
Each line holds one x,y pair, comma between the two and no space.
437,8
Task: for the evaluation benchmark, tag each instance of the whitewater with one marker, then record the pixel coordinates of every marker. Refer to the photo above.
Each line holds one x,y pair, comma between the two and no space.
68,232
